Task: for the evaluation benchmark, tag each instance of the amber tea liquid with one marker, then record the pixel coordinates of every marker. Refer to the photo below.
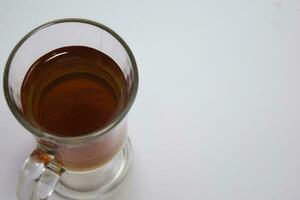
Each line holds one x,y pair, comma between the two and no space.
73,91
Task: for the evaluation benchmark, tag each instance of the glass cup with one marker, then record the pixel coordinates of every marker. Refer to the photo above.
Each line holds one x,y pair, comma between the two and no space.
81,167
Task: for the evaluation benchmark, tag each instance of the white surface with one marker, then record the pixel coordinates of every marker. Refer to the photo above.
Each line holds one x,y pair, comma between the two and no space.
217,114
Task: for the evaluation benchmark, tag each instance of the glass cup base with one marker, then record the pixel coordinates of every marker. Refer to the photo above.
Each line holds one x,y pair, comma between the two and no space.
97,183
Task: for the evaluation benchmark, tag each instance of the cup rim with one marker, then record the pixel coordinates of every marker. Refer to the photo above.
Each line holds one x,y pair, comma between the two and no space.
76,139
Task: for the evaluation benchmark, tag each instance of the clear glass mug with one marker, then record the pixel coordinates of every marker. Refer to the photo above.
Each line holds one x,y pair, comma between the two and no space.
81,167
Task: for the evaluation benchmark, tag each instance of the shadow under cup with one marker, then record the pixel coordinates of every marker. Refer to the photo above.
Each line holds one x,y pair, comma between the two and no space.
79,153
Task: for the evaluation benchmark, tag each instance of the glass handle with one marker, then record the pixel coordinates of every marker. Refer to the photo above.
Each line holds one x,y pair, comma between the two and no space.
38,177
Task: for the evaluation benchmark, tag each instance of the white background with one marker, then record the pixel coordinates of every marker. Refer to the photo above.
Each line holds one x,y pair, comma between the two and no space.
217,112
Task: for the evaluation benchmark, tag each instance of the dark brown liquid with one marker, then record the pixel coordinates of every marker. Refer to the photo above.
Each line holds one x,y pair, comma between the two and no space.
73,91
